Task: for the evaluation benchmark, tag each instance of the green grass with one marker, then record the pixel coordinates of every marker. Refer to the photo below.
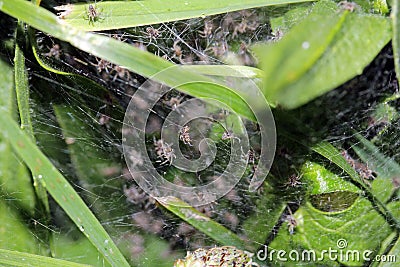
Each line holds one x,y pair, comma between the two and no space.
61,163
122,14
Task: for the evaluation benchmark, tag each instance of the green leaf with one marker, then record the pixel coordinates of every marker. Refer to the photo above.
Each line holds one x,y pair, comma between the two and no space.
126,14
321,181
23,95
328,151
291,18
15,258
334,211
381,6
323,51
392,256
61,191
326,191
360,226
201,222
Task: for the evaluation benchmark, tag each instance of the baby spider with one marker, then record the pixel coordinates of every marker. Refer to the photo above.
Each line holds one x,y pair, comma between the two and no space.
103,64
65,10
153,34
93,14
293,181
349,6
251,156
174,102
277,35
184,135
227,135
120,72
177,50
208,29
55,51
164,151
361,168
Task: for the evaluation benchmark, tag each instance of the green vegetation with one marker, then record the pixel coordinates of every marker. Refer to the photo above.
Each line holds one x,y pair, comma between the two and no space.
327,69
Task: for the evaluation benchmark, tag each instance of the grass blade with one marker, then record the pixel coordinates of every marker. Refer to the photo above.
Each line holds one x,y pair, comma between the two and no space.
387,170
223,70
331,153
22,94
376,160
15,258
125,14
22,90
201,222
122,54
61,191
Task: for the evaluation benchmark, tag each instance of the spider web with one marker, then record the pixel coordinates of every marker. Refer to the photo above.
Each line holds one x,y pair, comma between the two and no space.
78,126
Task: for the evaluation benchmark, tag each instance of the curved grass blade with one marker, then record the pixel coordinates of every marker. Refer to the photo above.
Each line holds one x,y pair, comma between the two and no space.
122,54
387,169
22,94
39,58
331,153
61,191
376,160
126,14
15,258
201,222
22,90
